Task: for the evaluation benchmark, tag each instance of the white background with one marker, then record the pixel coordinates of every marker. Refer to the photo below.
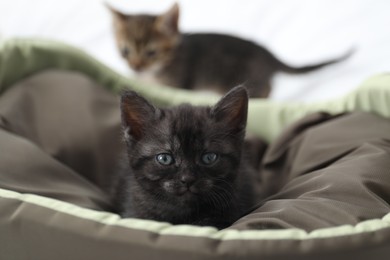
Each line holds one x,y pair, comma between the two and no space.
299,32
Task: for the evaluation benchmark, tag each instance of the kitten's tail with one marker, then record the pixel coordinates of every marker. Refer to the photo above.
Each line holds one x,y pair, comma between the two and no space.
297,70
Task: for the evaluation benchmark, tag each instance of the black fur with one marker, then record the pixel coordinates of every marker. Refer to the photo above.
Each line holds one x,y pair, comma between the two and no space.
216,61
187,191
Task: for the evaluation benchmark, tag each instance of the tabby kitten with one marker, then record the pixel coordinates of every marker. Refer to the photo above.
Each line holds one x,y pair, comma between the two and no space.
154,48
186,165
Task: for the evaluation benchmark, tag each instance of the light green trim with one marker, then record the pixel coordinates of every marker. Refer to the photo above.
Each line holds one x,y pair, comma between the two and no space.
269,118
163,228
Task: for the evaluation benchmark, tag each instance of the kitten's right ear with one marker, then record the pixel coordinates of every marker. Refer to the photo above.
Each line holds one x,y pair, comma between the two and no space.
116,13
136,114
168,22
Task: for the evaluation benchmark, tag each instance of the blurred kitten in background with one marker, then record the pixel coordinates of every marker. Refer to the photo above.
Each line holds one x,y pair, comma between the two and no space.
157,51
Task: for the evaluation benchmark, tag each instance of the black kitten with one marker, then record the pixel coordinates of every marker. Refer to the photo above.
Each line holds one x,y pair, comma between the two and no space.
186,165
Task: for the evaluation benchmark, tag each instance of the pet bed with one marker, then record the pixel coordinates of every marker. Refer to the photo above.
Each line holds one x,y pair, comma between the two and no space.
60,137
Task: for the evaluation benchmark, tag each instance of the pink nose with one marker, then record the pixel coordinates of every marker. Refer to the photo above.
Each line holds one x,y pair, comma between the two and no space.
136,64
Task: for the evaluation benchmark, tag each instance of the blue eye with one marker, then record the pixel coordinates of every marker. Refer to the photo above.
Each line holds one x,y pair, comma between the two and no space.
164,158
209,158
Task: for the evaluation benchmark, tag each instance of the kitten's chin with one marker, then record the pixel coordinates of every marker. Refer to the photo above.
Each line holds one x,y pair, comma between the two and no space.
148,75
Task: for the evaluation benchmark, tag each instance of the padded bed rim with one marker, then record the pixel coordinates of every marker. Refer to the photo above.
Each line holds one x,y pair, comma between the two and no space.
163,228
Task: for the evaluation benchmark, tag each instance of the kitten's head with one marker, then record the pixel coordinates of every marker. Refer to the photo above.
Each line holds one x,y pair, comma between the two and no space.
185,154
146,41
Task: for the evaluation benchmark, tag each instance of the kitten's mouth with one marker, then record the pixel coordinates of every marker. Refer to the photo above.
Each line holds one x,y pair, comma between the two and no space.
187,191
181,190
137,68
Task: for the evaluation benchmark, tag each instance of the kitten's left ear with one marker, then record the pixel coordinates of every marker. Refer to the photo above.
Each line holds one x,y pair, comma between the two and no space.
137,114
233,108
168,22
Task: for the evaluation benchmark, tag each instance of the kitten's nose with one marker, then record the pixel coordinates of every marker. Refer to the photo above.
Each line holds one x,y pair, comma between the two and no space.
136,64
187,179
